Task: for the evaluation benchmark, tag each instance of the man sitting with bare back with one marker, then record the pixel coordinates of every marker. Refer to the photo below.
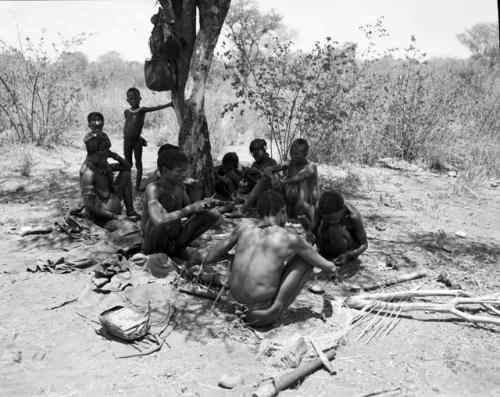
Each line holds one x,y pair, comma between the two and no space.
102,193
271,264
166,203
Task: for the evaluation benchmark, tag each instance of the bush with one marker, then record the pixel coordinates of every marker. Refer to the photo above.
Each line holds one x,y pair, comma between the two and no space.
39,95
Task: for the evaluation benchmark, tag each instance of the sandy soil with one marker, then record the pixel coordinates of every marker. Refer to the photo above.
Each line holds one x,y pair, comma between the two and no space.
411,218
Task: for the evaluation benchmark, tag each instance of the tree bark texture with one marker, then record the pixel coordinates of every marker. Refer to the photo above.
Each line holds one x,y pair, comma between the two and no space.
193,67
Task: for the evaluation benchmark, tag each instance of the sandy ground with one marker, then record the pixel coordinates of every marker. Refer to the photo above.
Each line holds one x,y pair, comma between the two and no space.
410,217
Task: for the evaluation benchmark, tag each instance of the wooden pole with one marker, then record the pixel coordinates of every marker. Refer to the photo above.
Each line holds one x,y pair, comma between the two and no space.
275,385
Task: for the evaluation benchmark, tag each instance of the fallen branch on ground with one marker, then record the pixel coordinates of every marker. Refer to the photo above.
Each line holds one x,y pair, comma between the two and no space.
392,281
275,385
385,302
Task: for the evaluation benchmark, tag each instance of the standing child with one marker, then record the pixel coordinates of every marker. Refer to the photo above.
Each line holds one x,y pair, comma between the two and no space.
134,121
103,193
300,183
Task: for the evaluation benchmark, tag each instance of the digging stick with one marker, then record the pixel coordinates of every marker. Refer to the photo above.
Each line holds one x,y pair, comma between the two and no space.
272,388
391,281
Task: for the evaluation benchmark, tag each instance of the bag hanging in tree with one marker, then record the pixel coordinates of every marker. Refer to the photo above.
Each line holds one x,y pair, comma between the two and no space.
159,74
165,46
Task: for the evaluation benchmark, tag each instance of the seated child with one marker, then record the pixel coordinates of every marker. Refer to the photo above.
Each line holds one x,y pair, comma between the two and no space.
102,193
132,130
270,265
338,228
301,182
227,177
263,183
166,203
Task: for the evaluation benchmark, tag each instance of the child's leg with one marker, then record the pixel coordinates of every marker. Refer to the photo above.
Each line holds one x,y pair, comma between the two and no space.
291,200
194,227
123,188
138,163
339,240
304,204
155,240
296,274
128,148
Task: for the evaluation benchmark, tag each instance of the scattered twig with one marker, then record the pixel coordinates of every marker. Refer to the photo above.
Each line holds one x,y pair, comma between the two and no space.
383,301
392,281
376,393
63,304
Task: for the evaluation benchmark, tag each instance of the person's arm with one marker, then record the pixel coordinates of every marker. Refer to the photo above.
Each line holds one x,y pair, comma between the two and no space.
158,214
123,165
223,246
309,254
270,171
90,198
306,172
359,236
316,221
155,108
185,198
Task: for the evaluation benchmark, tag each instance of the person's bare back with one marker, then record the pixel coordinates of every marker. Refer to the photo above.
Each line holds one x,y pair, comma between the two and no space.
259,261
270,265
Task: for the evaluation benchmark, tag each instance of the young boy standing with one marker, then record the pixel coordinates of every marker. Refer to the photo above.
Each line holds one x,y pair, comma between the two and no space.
301,181
166,203
338,228
134,121
270,265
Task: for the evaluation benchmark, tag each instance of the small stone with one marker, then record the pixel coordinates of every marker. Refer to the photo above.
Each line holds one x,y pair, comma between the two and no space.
494,184
316,289
461,234
230,381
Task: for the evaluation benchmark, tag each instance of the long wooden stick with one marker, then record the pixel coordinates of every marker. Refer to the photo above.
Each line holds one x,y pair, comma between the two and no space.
392,281
361,301
275,385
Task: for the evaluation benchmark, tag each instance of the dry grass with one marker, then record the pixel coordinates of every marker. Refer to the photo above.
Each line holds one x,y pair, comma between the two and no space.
26,164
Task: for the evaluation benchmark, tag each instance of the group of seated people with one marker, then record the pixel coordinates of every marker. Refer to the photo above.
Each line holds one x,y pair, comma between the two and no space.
271,263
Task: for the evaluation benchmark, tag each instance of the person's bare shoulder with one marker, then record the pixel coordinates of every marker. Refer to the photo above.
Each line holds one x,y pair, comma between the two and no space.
354,213
152,191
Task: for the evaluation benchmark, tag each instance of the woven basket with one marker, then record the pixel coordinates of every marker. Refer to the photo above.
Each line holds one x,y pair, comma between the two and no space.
125,323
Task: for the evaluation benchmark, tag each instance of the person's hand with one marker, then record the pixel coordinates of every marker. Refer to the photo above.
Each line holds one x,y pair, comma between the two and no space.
197,206
341,259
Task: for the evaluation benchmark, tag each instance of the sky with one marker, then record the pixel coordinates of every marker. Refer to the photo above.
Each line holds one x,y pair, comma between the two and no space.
124,26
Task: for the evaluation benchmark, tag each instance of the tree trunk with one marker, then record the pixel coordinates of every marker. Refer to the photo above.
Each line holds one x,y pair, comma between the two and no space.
193,68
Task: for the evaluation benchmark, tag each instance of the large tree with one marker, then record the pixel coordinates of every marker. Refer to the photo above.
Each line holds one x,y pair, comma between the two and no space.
192,67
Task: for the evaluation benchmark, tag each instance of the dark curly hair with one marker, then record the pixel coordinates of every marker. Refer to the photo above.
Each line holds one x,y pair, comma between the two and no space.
330,201
270,203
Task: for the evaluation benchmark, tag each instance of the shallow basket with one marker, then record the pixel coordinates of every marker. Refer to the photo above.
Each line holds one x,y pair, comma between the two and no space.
125,323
